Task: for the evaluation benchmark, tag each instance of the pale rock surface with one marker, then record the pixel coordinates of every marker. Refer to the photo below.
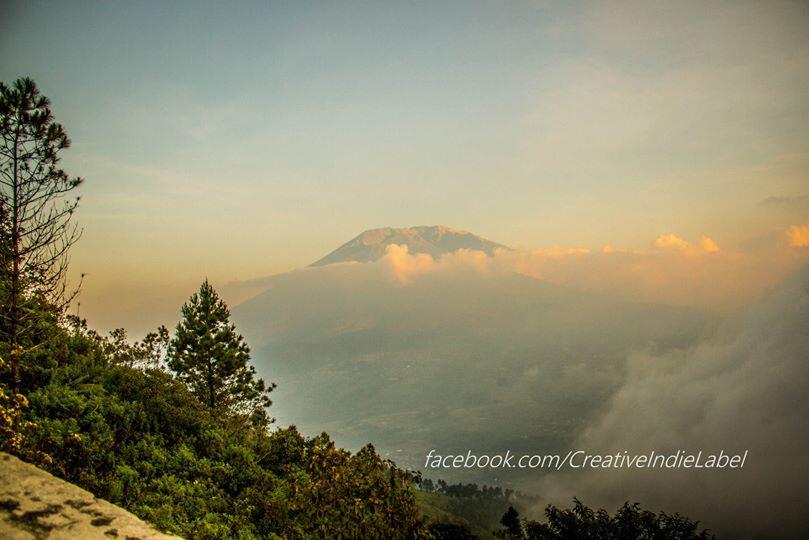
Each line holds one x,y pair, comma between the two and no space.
35,505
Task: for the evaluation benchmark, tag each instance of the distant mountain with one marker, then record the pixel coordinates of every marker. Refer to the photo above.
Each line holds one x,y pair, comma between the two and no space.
454,360
433,240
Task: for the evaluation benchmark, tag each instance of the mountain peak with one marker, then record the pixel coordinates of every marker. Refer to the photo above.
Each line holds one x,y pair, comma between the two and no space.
434,240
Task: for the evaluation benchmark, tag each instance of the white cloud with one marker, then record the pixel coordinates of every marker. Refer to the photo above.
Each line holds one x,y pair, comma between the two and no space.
743,388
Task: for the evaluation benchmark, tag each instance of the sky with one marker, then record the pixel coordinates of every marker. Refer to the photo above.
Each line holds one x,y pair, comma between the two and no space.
239,142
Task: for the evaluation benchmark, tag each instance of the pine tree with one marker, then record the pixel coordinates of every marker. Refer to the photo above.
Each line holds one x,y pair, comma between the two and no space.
36,207
213,360
511,521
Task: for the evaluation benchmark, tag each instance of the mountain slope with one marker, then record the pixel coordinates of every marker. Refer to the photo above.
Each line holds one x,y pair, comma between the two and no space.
454,360
432,240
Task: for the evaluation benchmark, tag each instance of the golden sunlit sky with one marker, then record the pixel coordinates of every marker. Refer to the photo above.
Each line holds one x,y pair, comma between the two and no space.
241,140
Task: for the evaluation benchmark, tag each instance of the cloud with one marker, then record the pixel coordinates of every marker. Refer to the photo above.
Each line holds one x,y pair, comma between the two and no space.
743,388
704,246
800,200
672,270
562,365
682,113
638,93
799,235
670,241
404,266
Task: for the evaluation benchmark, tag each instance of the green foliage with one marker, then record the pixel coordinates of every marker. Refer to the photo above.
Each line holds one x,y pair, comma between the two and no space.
479,508
150,352
469,490
142,439
511,522
356,496
12,421
212,359
583,523
450,530
35,210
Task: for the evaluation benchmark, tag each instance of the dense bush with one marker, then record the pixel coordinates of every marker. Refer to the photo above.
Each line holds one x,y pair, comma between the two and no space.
138,437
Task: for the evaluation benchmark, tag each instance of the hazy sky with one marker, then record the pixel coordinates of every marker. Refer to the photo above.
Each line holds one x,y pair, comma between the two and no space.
240,140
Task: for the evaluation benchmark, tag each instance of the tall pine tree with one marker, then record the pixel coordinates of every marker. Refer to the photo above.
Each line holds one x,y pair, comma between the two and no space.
37,203
213,360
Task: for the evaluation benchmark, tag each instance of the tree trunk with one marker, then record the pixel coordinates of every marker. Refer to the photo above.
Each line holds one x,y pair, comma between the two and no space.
211,400
14,323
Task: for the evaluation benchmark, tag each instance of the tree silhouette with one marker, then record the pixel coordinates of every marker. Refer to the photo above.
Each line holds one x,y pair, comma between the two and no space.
511,521
36,207
584,523
212,359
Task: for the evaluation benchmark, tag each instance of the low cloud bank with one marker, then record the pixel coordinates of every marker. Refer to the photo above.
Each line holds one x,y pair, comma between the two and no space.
672,270
389,336
744,388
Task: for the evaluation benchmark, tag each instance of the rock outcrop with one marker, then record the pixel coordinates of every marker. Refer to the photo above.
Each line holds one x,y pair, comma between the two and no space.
35,505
